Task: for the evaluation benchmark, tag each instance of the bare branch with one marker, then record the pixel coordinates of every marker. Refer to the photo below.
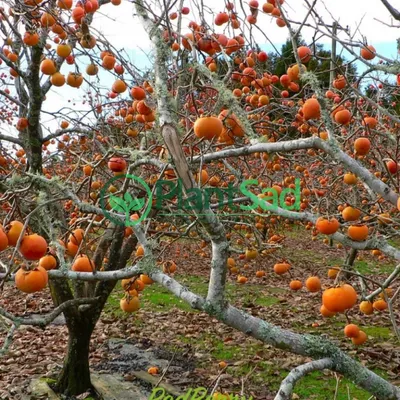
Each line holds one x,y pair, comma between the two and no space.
395,13
287,385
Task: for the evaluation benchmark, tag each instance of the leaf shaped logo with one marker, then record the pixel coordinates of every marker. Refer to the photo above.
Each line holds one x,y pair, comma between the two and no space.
118,205
134,204
128,204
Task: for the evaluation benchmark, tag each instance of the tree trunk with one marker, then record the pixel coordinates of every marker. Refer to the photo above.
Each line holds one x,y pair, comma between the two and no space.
75,375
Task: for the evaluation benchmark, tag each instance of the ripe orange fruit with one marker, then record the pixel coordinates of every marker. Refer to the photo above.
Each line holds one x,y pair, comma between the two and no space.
64,4
152,371
351,214
169,267
72,249
146,279
362,146
351,330
78,14
92,69
31,281
76,236
119,86
48,262
241,279
231,121
368,52
339,299
260,274
311,109
57,79
350,179
3,240
343,117
371,122
251,254
129,304
117,164
83,264
47,20
380,305
389,292
33,247
327,227
74,80
47,67
332,273
304,53
127,284
326,313
87,170
384,219
281,268
295,285
313,284
208,127
31,38
140,251
203,177
360,339
230,262
138,93
366,307
358,232
222,364
63,50
340,82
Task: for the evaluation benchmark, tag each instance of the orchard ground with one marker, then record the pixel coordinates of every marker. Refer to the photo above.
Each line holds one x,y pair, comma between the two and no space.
200,343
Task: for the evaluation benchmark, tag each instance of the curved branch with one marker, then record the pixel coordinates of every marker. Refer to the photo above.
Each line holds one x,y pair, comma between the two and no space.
47,319
287,385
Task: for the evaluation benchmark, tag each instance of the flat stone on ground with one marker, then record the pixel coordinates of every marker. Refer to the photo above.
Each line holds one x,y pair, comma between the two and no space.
112,387
41,390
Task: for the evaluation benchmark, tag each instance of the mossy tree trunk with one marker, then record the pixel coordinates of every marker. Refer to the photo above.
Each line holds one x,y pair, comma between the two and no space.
75,375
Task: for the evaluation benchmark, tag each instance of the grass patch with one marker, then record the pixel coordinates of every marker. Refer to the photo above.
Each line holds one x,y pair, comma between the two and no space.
157,298
222,351
266,301
378,332
316,385
366,267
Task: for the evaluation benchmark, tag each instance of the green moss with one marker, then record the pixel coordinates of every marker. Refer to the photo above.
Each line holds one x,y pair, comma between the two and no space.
266,301
322,387
276,290
49,381
158,298
222,351
380,332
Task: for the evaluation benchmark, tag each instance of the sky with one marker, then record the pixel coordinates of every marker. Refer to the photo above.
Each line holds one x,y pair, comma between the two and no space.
352,13
365,19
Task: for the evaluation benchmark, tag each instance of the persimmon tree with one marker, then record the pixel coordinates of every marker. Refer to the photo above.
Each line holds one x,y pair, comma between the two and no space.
210,115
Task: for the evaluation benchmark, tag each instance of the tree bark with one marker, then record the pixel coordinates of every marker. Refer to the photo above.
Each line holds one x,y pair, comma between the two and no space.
75,375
